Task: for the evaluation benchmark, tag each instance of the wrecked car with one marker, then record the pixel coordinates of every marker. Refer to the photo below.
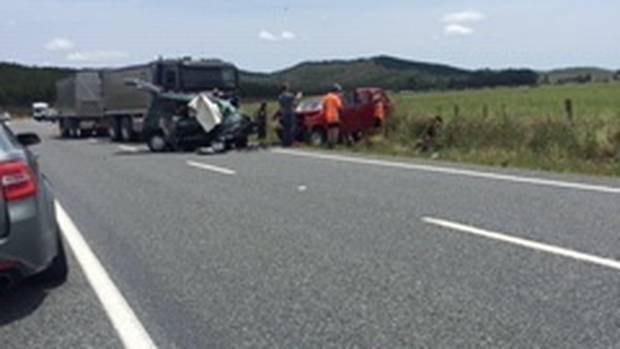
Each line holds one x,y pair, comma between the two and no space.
358,115
188,121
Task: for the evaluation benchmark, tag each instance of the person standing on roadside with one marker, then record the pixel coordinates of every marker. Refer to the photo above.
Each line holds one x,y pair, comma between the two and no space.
379,111
288,103
332,106
261,121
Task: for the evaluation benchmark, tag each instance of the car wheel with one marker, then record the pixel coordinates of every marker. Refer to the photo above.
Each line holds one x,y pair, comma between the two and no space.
126,129
317,137
241,143
157,143
58,271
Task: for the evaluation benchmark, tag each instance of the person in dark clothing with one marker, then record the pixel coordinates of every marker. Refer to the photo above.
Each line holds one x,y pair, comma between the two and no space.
288,103
234,100
429,139
261,121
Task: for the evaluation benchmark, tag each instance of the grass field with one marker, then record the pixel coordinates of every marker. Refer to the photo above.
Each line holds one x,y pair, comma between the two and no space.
518,127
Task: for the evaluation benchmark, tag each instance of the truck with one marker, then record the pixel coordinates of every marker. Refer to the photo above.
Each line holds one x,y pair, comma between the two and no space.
79,104
123,107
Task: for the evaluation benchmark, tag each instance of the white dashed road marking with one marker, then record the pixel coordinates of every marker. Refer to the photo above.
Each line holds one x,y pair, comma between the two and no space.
533,245
207,167
129,148
129,328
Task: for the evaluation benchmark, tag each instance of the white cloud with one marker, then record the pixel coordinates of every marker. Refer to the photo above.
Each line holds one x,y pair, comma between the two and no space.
470,16
59,44
457,30
267,35
287,35
99,56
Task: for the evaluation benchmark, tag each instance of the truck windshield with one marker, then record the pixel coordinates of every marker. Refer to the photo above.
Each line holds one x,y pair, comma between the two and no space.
203,79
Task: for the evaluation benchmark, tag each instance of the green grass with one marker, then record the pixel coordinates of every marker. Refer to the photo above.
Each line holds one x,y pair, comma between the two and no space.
509,127
519,127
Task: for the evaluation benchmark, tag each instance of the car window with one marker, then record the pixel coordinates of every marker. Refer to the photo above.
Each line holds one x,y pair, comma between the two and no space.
364,97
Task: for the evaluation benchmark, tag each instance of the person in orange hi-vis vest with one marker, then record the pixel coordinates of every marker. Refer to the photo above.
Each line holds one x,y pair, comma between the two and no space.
332,106
379,112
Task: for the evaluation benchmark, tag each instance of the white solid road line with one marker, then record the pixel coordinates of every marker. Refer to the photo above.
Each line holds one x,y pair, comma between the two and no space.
130,330
538,246
453,171
129,148
211,168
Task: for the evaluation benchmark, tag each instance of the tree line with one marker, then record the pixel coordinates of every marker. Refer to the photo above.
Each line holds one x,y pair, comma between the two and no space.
20,86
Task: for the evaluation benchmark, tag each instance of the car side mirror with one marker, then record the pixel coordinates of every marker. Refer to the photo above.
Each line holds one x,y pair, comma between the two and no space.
28,139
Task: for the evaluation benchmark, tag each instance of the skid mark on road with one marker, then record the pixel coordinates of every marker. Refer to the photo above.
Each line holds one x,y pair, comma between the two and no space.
453,171
529,244
129,328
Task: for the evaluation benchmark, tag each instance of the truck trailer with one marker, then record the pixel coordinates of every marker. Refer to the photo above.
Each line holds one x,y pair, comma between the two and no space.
123,107
79,104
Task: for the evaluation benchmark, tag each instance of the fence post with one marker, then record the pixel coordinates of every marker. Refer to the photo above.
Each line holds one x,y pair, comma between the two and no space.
568,107
456,111
485,111
504,111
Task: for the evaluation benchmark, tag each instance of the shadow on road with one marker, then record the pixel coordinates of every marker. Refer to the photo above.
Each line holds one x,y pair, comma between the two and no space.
19,302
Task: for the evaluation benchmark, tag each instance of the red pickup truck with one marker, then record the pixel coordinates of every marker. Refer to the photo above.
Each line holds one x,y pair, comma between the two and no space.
358,114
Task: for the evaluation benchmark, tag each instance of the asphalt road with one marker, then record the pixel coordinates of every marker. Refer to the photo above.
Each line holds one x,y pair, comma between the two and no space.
284,250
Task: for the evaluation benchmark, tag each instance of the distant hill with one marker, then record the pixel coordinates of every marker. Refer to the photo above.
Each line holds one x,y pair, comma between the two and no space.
382,71
21,85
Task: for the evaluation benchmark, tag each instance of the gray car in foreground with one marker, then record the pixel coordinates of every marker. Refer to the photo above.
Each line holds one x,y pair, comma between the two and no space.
30,243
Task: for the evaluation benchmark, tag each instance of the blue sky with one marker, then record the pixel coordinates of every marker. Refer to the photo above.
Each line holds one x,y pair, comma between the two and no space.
266,35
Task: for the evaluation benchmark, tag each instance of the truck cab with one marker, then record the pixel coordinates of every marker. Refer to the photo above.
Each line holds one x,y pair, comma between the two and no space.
196,75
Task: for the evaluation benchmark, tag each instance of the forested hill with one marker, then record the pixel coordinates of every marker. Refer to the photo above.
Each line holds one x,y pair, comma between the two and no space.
22,85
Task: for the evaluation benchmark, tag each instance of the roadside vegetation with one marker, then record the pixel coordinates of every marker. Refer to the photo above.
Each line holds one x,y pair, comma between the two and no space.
570,128
567,128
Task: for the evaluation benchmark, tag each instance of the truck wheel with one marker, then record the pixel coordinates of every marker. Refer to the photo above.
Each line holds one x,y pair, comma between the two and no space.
114,129
126,130
63,129
317,137
157,143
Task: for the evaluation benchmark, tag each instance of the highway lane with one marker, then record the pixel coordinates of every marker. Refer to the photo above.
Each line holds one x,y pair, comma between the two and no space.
65,317
248,259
